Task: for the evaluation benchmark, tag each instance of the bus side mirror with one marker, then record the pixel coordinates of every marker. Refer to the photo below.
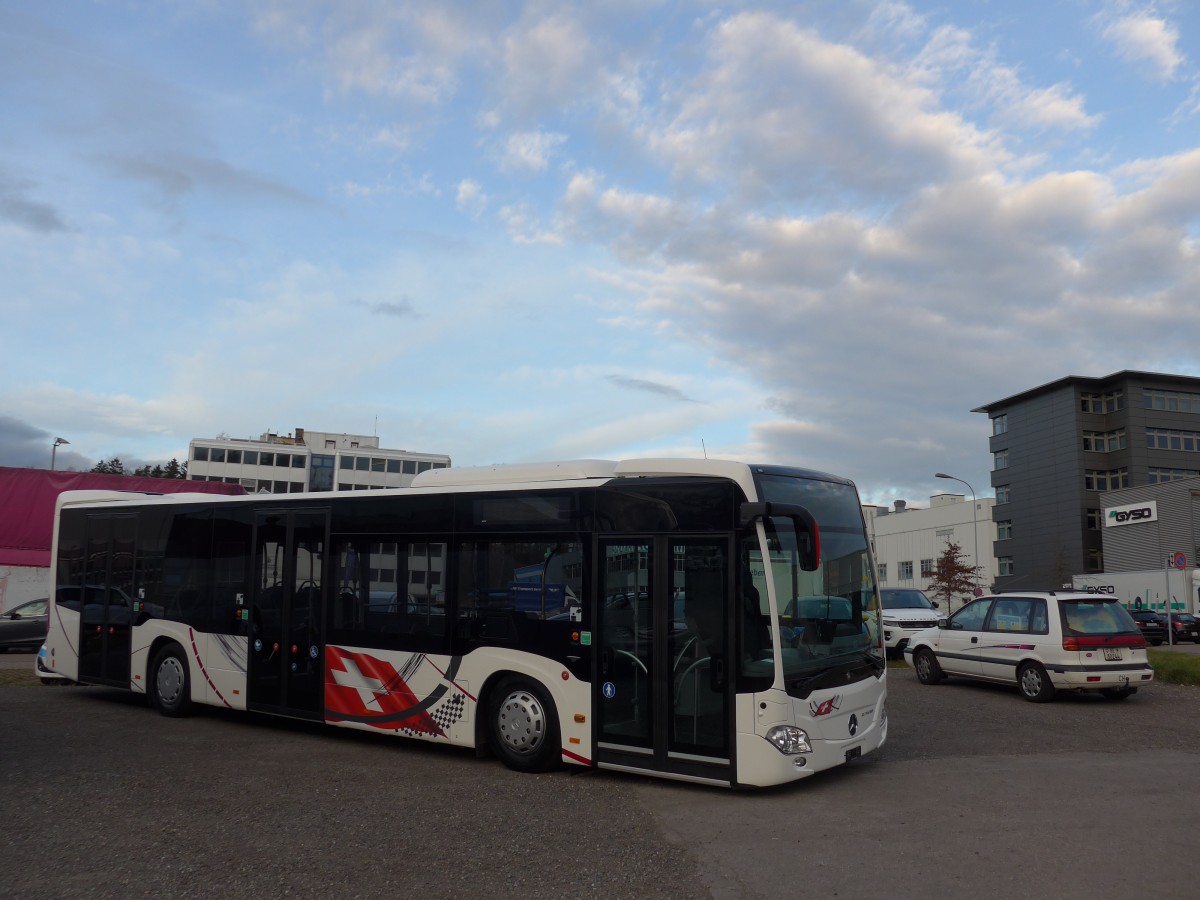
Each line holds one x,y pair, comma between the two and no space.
808,535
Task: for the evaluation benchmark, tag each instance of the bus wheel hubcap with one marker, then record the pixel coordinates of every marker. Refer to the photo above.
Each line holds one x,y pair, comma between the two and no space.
521,721
170,680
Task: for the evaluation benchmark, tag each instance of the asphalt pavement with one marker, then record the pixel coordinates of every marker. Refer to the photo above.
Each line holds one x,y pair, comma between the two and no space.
976,794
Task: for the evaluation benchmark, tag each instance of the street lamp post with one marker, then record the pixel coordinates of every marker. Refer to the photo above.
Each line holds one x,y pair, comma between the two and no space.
58,442
974,521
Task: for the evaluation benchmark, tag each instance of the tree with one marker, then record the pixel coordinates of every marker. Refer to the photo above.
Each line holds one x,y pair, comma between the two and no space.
173,469
112,466
952,577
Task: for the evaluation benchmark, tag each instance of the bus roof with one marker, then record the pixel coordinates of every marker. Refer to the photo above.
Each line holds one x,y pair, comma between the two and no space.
583,469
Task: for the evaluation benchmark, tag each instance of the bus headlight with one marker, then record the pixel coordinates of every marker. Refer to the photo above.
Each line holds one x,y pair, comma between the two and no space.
789,740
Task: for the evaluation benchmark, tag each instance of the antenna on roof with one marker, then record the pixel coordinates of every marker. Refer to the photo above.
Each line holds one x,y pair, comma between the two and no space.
703,449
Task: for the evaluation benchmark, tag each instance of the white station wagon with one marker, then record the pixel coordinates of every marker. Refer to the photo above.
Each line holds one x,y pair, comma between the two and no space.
1041,642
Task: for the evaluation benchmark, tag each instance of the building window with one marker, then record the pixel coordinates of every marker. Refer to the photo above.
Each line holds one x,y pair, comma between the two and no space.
927,569
906,571
393,466
1097,480
233,457
266,459
1004,565
1095,520
200,454
1172,401
1094,560
346,463
1004,530
1003,493
1000,424
1162,439
1104,441
1102,403
217,455
250,457
297,460
1001,459
320,476
283,460
882,572
1159,475
362,464
330,445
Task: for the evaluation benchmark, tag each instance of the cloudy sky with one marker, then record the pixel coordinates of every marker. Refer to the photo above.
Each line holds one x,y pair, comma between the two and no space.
814,233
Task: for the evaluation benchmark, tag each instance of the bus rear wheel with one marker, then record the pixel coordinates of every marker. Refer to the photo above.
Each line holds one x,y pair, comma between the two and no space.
524,726
170,683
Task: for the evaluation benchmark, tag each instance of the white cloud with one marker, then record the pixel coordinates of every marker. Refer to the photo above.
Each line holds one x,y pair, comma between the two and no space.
470,197
531,150
780,111
1147,41
546,62
523,227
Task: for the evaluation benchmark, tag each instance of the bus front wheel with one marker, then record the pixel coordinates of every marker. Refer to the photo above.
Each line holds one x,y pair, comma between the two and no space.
171,690
524,726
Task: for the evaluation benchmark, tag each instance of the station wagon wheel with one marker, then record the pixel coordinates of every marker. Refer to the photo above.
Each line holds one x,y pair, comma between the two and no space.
170,684
1035,683
926,664
524,725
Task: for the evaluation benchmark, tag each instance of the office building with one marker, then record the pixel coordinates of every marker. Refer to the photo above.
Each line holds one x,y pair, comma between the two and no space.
306,461
1057,448
908,541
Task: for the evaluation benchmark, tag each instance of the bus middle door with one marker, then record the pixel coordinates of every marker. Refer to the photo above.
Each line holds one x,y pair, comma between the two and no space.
287,613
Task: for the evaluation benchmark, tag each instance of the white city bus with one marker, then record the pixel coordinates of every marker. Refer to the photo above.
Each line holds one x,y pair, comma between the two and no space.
702,620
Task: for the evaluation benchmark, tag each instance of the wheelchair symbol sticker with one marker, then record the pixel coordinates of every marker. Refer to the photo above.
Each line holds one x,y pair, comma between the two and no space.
609,690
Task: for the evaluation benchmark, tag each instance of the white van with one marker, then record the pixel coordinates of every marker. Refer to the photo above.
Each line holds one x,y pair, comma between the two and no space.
1041,642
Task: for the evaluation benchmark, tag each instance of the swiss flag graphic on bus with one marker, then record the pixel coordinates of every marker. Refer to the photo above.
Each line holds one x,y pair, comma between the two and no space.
362,688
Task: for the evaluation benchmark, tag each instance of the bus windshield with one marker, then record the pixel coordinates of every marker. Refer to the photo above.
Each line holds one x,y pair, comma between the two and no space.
828,618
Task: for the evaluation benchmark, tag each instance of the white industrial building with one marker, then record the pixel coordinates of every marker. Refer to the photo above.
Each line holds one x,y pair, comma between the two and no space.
306,461
908,541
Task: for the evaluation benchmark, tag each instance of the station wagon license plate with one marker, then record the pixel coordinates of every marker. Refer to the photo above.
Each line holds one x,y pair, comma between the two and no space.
1112,652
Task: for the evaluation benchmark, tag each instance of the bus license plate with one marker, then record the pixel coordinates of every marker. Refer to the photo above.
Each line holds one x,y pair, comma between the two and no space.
853,753
1112,652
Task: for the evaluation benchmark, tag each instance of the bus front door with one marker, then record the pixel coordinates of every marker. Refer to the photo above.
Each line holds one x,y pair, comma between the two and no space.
287,612
663,682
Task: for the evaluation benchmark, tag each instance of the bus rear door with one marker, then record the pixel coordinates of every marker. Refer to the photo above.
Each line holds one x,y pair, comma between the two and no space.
105,599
